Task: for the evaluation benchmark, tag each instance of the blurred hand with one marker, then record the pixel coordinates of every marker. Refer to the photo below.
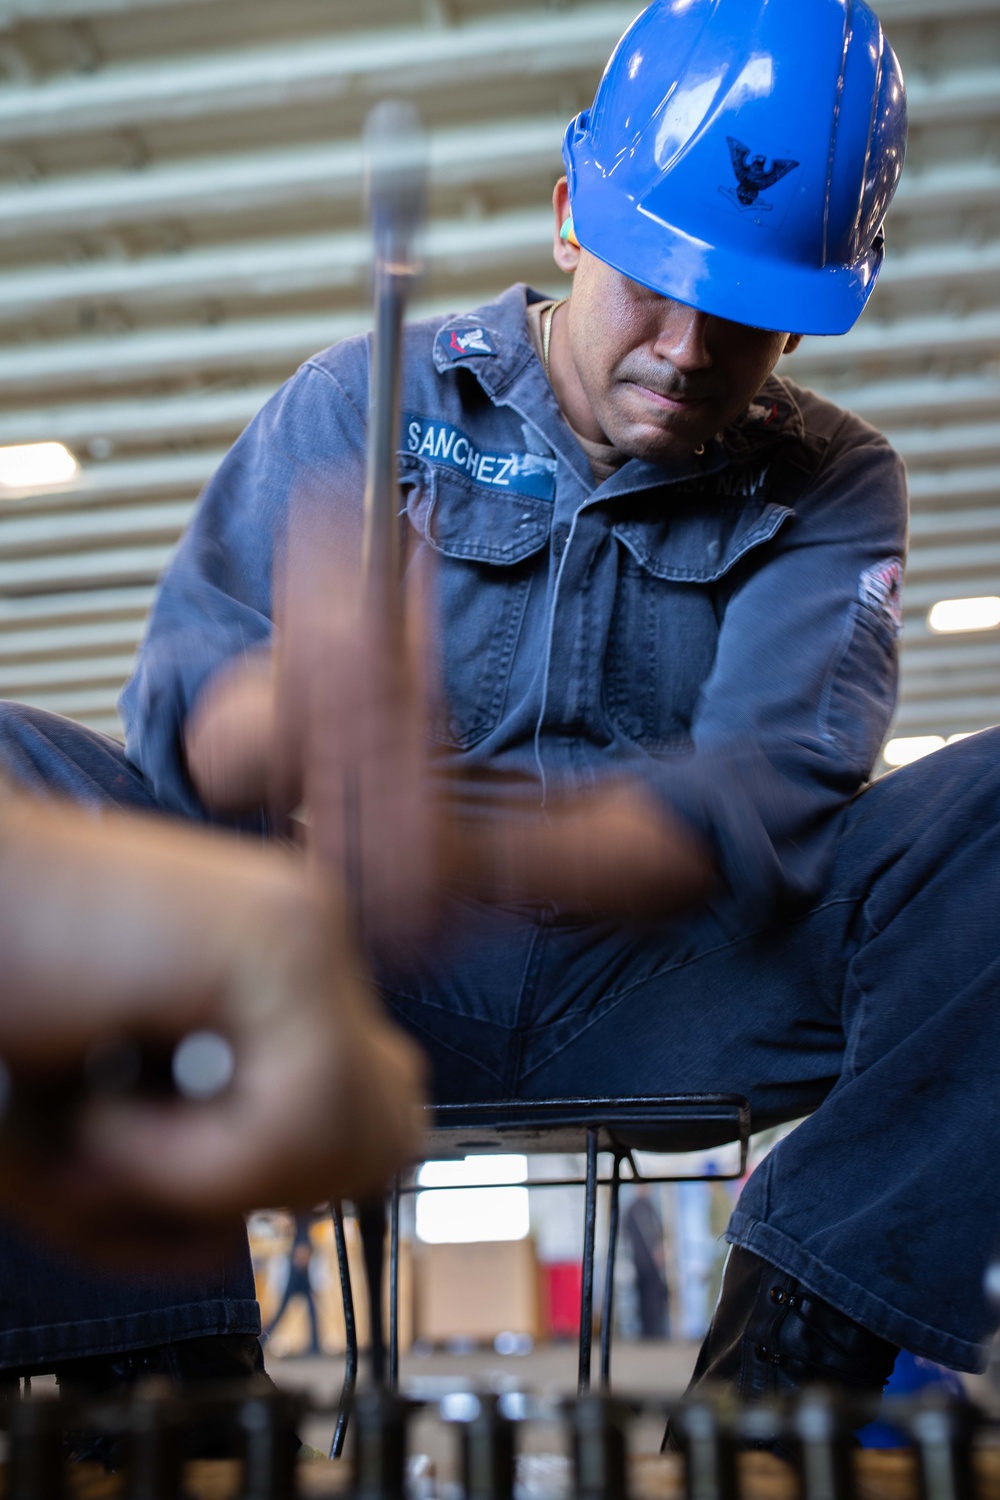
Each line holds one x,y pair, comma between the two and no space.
125,926
331,720
352,704
230,736
352,708
615,853
339,714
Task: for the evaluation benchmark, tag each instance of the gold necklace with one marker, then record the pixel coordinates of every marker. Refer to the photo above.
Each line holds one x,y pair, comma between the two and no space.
547,320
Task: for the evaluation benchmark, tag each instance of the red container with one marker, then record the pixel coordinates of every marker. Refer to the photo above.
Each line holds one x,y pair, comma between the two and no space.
562,1282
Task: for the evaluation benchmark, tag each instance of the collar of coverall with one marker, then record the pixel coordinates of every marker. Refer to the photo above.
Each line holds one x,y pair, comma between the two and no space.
503,355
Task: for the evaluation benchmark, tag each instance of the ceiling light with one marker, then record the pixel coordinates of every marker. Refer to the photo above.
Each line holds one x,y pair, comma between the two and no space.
36,465
965,614
904,752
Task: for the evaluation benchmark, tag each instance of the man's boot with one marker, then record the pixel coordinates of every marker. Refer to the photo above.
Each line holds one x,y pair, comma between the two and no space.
769,1337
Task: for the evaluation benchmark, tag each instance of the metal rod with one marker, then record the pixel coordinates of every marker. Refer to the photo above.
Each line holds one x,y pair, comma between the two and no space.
560,1182
396,180
587,1287
380,1428
943,1431
394,1286
826,1446
396,158
608,1309
371,1220
381,526
709,1452
600,1462
488,1464
350,1333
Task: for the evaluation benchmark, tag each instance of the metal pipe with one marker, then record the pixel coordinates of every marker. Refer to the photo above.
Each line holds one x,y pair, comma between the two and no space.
608,1309
394,1286
305,263
396,199
371,1221
587,1286
466,157
316,68
350,1333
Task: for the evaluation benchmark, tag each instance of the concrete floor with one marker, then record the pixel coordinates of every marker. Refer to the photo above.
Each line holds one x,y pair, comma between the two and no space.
640,1369
549,1369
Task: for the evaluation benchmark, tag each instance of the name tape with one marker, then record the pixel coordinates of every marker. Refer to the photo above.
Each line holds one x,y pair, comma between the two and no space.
439,442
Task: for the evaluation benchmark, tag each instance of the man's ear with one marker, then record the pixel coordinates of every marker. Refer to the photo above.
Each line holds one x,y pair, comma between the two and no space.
565,253
794,340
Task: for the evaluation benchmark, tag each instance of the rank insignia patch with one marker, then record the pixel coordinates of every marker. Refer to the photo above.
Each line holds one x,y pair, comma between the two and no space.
465,343
881,590
765,415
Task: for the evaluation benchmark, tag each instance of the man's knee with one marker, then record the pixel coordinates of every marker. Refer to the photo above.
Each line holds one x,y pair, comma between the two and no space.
964,765
930,808
19,734
48,755
14,718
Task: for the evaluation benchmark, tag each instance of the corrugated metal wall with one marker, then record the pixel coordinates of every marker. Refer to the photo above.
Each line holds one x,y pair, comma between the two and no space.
180,224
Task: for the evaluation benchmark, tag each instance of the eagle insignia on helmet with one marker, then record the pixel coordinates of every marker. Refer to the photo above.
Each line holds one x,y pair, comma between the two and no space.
754,174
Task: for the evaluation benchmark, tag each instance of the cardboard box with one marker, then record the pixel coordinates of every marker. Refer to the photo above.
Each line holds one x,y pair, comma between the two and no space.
475,1291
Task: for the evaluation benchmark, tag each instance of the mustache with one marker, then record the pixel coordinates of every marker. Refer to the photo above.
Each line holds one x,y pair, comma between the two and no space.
674,386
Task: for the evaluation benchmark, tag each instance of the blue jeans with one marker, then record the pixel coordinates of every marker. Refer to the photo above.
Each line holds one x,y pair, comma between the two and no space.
52,1309
868,1010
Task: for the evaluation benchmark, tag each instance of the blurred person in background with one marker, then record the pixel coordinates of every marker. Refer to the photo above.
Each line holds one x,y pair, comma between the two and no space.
298,1283
665,591
644,1237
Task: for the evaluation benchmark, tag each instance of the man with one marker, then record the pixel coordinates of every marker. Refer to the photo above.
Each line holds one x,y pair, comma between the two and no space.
667,600
643,1229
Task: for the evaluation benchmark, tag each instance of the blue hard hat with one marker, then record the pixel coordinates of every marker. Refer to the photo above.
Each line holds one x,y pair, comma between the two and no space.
740,157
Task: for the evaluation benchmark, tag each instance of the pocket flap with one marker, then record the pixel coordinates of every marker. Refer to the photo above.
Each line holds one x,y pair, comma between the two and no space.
465,520
700,546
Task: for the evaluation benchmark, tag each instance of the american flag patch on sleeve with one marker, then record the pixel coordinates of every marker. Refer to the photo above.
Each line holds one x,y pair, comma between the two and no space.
881,589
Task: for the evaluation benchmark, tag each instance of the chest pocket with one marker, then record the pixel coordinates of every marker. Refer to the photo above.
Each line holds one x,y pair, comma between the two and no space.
664,630
488,543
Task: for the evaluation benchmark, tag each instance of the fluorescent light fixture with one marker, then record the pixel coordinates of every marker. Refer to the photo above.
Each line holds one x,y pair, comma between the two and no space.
965,614
36,465
904,752
458,1214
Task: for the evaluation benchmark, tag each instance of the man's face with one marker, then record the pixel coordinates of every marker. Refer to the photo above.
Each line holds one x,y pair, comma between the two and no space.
656,378
660,378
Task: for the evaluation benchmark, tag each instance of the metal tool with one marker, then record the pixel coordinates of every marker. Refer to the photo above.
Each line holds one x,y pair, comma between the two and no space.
396,181
396,188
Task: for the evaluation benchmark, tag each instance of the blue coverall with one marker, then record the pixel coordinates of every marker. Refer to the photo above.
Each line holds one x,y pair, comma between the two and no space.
724,628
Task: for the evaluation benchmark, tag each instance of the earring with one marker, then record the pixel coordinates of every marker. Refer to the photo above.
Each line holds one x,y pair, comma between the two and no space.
567,233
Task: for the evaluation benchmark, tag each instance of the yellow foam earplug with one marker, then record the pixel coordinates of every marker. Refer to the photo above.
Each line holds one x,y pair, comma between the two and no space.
568,234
